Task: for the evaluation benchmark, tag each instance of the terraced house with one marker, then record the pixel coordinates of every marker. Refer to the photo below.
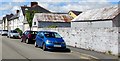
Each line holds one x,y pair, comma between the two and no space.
42,18
34,7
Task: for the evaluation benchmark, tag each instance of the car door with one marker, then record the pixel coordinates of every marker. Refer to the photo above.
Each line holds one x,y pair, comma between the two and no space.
40,38
24,35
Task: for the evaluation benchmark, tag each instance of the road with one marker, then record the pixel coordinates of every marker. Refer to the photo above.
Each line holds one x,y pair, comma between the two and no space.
0,48
14,49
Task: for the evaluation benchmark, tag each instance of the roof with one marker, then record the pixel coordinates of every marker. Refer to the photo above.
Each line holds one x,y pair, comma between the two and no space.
4,18
98,14
9,16
1,21
36,8
76,12
50,17
23,8
40,9
15,16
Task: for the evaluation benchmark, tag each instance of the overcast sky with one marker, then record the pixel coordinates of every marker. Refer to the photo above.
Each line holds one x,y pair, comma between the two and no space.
9,6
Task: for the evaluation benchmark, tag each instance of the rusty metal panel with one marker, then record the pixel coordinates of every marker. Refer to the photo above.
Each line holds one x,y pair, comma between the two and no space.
53,17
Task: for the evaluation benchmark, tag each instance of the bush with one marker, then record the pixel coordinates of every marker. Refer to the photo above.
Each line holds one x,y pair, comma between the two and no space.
19,31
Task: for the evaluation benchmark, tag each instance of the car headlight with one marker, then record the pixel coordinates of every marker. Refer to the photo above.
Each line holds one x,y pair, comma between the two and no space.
63,42
48,41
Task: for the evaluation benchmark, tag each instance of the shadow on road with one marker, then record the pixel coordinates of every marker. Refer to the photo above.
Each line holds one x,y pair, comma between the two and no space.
67,50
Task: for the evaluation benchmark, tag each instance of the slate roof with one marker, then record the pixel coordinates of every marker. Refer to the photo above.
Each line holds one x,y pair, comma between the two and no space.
23,9
9,16
14,16
50,17
4,18
40,9
36,8
98,14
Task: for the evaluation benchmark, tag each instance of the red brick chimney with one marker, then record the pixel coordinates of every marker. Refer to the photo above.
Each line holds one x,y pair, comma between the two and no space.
33,4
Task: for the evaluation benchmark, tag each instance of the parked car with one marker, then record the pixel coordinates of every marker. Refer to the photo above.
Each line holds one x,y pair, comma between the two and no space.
29,36
13,34
0,32
4,32
50,41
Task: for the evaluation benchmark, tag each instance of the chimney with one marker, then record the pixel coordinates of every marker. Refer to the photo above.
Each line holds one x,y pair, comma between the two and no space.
34,4
17,11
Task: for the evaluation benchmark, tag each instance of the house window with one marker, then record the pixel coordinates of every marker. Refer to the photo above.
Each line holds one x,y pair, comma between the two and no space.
69,13
34,23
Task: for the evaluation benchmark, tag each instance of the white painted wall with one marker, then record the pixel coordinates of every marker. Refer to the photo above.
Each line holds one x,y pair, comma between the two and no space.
97,39
92,24
1,26
16,23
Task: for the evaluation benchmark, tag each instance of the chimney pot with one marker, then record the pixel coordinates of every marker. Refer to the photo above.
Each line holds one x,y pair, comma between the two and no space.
34,3
17,11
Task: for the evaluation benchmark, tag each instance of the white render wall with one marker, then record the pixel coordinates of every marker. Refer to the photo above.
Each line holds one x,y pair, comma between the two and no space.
1,26
16,23
97,39
92,24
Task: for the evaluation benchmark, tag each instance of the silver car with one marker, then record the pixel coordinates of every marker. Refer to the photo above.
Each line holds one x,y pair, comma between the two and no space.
13,34
4,32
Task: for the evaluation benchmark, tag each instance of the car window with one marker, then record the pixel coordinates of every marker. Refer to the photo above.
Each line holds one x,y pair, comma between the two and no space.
52,35
5,30
14,31
40,35
33,32
57,35
25,32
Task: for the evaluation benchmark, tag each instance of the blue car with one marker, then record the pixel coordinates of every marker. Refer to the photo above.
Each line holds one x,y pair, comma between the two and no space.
49,41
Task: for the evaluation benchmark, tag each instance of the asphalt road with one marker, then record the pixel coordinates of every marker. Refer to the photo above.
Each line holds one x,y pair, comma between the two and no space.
14,49
0,48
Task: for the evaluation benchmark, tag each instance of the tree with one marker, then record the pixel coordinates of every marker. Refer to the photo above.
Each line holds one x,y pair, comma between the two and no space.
29,16
19,31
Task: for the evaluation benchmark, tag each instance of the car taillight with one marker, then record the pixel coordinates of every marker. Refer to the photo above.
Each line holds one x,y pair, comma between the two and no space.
29,36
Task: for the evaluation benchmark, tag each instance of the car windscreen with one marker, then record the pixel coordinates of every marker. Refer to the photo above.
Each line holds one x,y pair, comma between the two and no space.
33,32
14,32
52,35
5,30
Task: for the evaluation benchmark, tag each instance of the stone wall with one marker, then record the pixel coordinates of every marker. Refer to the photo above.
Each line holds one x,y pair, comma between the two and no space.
96,39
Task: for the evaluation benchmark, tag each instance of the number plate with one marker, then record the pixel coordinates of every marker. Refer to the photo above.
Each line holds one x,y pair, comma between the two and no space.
57,45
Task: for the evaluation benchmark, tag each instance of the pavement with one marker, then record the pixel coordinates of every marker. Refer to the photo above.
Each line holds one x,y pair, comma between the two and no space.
14,49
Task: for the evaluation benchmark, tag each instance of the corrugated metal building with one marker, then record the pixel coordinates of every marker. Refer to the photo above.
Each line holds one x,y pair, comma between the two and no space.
45,20
103,17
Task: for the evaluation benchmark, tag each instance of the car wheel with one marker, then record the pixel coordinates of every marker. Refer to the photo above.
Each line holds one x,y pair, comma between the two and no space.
27,41
36,44
21,40
44,47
